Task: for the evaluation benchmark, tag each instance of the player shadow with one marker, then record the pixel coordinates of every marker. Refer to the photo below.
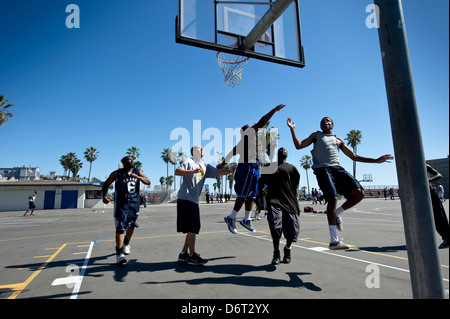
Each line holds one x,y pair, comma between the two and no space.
385,249
294,281
234,273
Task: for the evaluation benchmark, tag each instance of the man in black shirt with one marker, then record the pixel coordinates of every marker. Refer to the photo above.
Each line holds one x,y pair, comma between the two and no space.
283,208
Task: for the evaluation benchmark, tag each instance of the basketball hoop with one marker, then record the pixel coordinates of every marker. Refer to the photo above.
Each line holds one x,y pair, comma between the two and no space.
232,66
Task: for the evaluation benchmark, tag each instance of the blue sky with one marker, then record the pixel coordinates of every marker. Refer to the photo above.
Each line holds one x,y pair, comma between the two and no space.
120,80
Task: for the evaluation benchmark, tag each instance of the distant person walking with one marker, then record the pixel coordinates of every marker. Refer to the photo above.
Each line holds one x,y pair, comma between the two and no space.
126,204
31,204
331,177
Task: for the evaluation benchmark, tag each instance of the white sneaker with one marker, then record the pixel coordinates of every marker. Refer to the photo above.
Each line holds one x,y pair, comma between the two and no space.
247,224
127,249
121,260
340,245
231,223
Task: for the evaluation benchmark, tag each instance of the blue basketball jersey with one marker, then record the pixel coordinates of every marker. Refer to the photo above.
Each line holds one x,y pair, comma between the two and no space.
127,190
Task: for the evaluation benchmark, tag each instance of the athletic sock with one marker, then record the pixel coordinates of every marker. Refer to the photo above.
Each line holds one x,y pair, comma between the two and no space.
333,234
233,214
126,241
339,211
247,215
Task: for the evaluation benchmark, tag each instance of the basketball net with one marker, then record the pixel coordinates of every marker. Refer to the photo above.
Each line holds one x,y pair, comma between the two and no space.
232,66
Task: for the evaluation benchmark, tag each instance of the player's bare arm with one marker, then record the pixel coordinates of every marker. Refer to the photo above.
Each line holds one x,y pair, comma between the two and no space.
300,144
227,171
184,172
358,158
141,177
112,177
266,118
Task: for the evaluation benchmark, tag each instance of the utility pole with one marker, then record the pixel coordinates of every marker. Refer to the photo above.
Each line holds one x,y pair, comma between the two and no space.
423,258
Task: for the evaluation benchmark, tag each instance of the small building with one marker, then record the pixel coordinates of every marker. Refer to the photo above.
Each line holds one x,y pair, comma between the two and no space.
50,195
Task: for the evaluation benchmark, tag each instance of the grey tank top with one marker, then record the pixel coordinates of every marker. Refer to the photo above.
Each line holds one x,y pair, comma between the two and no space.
326,151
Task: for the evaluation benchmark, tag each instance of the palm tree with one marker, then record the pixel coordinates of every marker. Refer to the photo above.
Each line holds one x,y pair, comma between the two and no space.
219,184
75,167
133,152
4,114
173,159
165,155
161,180
353,139
71,163
91,154
169,181
138,165
65,162
306,163
271,141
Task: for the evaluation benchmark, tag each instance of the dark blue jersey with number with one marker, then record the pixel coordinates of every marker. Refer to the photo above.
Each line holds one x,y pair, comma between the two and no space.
127,191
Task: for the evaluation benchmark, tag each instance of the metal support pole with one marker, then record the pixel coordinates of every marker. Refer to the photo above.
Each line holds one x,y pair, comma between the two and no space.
423,258
266,21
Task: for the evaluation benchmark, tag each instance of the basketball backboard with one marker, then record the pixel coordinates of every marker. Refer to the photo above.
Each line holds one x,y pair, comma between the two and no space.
223,26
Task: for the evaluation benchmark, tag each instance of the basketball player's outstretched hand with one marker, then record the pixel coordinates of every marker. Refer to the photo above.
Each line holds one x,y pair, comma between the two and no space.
385,158
279,107
290,123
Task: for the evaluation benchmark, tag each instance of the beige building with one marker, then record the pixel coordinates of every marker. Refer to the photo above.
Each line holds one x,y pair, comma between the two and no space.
50,195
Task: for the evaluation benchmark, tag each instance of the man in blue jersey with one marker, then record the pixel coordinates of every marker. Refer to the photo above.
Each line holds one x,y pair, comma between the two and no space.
331,177
247,174
126,204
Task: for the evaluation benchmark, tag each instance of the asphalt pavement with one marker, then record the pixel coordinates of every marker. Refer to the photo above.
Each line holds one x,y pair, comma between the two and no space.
69,254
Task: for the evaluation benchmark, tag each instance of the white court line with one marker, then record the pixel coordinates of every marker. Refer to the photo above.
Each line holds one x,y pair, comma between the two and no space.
78,283
365,212
324,250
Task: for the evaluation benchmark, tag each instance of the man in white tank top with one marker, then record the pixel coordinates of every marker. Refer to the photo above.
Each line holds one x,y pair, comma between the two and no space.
331,177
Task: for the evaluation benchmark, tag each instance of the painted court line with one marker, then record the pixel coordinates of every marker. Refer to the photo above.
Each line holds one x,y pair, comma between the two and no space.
18,288
78,283
326,251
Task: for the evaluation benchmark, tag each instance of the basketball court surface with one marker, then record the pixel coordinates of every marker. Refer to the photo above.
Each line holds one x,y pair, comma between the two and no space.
69,254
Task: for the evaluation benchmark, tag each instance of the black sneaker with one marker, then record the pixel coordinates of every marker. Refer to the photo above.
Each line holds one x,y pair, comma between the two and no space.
287,255
276,257
196,260
183,257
